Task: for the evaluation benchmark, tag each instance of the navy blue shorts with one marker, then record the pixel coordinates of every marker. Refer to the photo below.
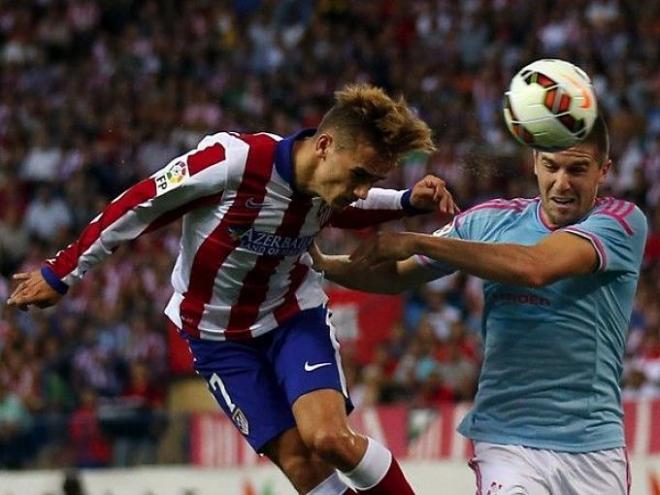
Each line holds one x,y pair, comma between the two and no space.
257,381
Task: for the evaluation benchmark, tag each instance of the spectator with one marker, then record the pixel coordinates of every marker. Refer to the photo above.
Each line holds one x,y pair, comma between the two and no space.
46,215
90,447
141,421
15,422
92,93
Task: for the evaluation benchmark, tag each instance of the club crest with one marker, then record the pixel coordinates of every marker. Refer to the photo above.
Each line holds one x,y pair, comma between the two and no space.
241,421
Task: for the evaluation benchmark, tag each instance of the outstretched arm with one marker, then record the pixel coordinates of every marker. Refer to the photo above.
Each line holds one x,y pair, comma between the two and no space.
187,182
382,205
389,277
557,256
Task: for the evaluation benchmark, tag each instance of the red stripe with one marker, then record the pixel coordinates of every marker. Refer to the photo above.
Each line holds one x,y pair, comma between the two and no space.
218,245
630,423
654,444
179,212
290,305
67,260
447,431
255,285
197,458
202,159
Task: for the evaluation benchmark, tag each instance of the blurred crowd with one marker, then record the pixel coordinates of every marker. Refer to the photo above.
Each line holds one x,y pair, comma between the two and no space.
95,95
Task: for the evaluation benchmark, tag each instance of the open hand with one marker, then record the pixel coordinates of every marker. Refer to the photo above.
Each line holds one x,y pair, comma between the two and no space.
32,289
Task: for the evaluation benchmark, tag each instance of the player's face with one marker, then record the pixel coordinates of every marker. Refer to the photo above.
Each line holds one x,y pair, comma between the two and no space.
568,181
348,174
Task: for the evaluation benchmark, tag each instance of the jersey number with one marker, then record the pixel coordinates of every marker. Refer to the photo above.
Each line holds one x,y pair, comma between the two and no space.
218,385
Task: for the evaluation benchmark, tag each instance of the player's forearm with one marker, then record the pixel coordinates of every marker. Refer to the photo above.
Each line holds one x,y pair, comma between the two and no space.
381,205
507,263
382,279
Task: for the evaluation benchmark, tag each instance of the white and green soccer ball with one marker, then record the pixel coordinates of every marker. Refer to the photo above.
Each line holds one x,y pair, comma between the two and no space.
550,105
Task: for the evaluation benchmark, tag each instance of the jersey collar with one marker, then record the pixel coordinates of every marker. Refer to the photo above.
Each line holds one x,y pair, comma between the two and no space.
550,228
284,155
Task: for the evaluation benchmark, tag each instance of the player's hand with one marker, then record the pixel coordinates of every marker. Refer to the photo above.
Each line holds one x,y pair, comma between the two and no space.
431,193
32,289
383,247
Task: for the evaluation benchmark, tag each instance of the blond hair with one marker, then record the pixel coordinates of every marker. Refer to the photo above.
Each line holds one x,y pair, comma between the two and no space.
365,113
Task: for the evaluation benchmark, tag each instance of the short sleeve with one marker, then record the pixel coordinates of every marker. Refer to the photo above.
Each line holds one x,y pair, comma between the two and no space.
450,231
617,234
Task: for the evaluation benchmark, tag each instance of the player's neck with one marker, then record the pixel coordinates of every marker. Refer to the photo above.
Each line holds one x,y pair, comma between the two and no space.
304,166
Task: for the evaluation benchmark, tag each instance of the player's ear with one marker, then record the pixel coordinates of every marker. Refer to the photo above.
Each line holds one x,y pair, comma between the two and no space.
535,160
604,170
322,143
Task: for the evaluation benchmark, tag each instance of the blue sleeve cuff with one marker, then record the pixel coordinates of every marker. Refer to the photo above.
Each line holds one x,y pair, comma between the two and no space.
53,280
407,205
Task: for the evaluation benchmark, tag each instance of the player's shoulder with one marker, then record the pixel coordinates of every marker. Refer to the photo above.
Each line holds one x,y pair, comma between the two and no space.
626,214
492,214
499,208
232,138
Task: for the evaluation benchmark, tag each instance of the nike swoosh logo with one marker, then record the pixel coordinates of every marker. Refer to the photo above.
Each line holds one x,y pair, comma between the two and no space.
312,367
251,203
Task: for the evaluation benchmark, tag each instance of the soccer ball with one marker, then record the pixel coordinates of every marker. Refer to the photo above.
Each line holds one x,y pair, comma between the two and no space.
550,105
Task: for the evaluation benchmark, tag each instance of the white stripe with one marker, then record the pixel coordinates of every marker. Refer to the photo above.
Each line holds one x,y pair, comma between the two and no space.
172,310
333,485
128,226
592,240
335,345
281,278
231,275
459,444
135,221
279,282
427,444
310,294
207,428
380,199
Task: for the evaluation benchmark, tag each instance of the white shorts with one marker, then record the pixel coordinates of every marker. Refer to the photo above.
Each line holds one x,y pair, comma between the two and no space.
516,470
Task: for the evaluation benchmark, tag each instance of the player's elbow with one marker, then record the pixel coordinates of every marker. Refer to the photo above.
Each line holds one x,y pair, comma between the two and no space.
532,274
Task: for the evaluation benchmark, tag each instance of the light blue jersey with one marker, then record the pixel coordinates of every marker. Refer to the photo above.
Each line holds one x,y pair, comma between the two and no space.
553,356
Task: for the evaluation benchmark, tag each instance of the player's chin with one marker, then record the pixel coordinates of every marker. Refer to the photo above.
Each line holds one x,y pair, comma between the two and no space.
566,216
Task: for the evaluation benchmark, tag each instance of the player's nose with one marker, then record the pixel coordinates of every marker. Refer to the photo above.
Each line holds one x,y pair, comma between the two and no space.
562,181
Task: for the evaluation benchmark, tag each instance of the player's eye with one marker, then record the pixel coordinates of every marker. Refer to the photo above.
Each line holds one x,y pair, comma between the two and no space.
361,175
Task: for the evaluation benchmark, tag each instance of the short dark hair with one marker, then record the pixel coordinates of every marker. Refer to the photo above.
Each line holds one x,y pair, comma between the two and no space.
365,113
599,138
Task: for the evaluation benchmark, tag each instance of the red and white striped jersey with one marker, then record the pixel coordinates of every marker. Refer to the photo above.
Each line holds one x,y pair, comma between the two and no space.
243,266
